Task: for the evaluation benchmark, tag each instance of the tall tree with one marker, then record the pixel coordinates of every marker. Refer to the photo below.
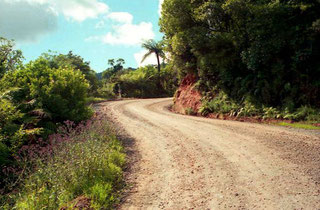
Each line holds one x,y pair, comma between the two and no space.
153,47
9,57
116,66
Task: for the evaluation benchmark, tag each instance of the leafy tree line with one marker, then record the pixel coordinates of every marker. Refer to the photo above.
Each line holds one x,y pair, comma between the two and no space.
265,52
144,82
149,81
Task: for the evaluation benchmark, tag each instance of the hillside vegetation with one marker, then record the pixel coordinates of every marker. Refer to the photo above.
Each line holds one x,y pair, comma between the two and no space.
250,57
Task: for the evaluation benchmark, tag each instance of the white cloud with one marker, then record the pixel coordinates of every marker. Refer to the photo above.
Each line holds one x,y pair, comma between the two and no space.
26,20
160,6
124,31
122,17
79,10
152,59
129,34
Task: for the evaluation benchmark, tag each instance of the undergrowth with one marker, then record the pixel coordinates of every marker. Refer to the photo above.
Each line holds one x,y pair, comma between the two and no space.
221,104
83,160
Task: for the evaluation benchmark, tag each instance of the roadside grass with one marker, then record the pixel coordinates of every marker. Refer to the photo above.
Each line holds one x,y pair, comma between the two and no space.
81,161
307,126
92,100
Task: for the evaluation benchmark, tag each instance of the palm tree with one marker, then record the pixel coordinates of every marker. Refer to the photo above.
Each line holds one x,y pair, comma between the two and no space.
153,47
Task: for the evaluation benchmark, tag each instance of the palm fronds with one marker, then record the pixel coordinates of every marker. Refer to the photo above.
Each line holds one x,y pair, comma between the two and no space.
152,47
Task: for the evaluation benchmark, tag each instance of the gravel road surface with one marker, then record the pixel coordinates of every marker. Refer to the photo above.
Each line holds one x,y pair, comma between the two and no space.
186,162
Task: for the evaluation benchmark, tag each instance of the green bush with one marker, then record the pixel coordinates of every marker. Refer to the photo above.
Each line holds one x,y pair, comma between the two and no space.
75,62
13,132
59,92
107,90
10,129
248,109
219,104
307,113
270,112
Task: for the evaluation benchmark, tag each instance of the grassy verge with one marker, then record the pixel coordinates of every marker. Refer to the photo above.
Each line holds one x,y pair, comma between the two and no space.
84,161
92,100
300,125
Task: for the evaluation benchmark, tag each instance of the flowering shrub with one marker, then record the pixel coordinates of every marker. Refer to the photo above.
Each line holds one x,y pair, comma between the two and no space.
83,160
34,100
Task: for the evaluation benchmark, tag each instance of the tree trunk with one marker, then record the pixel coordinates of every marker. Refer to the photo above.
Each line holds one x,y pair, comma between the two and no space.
158,59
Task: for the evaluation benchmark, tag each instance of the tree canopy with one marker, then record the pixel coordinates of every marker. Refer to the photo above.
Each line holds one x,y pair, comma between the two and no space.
265,50
116,66
153,47
9,57
75,62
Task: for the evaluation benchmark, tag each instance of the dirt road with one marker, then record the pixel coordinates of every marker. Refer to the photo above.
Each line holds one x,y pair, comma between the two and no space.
185,162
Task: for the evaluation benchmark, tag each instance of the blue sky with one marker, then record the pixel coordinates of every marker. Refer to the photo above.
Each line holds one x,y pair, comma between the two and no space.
97,30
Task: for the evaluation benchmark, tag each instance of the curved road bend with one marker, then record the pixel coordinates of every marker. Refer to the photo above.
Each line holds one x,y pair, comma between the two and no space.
189,162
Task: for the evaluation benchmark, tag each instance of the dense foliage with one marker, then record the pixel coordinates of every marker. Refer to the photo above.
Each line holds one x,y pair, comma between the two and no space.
48,93
265,52
75,62
144,82
109,87
222,104
12,132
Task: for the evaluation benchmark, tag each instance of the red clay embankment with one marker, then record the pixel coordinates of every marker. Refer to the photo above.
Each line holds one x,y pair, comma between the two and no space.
187,96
